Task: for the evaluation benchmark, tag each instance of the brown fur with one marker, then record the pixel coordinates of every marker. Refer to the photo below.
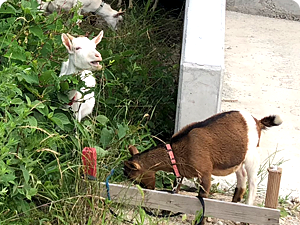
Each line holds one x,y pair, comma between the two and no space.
216,146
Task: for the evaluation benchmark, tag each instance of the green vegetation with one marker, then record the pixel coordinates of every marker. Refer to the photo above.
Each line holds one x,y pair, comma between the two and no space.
41,143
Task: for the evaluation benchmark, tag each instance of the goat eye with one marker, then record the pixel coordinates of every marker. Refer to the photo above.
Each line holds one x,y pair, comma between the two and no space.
77,48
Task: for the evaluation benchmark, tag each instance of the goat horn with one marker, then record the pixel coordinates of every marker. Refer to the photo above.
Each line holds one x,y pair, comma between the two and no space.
70,37
133,150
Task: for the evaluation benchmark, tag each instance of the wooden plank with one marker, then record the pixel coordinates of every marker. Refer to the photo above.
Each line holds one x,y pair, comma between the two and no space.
189,204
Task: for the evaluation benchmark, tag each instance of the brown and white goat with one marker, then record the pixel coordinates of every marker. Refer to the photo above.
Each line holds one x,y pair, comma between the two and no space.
220,145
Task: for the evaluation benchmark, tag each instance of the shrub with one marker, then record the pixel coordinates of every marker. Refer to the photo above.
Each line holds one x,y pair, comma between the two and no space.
40,142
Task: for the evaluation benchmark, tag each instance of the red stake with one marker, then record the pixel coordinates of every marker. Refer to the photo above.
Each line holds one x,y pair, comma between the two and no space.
89,160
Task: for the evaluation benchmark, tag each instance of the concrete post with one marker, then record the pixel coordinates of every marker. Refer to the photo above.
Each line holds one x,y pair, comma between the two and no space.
202,61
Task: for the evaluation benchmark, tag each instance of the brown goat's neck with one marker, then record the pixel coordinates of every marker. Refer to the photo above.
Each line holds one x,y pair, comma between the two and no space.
156,159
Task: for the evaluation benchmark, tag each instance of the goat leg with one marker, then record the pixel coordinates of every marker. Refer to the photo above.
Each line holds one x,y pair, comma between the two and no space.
238,194
177,184
205,183
130,6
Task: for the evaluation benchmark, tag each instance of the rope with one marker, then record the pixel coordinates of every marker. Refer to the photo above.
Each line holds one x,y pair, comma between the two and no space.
107,184
203,209
108,196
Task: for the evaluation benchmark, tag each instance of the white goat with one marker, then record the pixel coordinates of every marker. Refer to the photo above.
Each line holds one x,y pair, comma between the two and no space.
111,16
83,57
131,4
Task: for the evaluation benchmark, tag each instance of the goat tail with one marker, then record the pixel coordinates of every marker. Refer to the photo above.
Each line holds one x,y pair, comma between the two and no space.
270,121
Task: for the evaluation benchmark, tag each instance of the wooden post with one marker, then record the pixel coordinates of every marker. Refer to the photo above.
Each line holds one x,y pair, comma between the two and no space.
273,187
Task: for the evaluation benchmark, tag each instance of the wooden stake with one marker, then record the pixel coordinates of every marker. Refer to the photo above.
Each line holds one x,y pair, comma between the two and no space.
273,187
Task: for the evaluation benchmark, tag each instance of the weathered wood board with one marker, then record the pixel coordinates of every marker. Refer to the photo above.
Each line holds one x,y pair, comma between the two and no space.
189,204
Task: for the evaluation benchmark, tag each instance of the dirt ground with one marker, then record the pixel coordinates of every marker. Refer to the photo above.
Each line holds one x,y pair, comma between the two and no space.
261,76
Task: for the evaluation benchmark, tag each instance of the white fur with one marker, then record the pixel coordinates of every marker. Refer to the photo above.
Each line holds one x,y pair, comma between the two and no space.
111,16
251,163
278,120
83,57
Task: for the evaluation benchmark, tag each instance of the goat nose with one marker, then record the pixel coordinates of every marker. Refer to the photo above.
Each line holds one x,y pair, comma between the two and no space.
97,55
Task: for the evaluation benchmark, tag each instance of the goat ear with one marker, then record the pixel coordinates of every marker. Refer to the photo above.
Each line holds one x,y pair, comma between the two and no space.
70,37
66,40
98,38
132,165
120,13
133,150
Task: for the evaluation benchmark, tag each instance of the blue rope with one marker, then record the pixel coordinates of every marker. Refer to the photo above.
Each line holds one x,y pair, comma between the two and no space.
107,184
108,195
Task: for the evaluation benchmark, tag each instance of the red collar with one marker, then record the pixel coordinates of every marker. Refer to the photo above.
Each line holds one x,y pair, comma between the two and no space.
173,161
72,100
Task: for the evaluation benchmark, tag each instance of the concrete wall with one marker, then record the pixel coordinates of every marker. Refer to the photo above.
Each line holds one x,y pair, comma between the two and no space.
202,61
285,9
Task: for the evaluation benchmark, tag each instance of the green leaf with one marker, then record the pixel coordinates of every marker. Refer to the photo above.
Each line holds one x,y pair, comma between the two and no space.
106,137
283,212
122,130
46,50
102,119
30,78
3,191
32,121
62,117
31,192
16,52
42,108
7,178
50,115
47,77
58,122
64,86
7,9
25,173
28,100
16,101
37,31
100,151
